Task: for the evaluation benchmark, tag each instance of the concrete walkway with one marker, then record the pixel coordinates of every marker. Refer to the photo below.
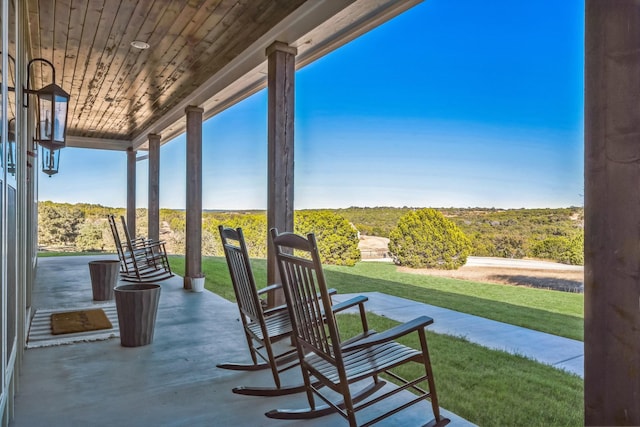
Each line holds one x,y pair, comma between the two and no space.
562,353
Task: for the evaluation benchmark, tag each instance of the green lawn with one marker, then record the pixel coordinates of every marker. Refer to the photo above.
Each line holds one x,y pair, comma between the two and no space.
554,312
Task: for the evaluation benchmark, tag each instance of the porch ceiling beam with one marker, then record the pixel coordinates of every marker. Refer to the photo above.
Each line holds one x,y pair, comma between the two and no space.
97,143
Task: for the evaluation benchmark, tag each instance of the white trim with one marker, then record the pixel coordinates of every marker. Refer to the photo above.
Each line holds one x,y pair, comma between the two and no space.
11,362
3,404
3,206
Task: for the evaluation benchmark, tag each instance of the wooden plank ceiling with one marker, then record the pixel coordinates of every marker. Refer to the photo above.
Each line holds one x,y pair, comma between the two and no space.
209,53
118,90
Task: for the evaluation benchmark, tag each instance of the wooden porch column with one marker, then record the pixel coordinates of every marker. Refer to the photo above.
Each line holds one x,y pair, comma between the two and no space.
131,190
154,187
193,250
280,83
612,212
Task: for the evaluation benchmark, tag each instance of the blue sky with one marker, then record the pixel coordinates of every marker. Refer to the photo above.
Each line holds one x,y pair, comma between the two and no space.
452,104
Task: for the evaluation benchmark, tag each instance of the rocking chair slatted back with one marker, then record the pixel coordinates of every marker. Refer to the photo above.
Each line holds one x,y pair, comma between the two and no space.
262,328
117,241
314,325
242,278
308,316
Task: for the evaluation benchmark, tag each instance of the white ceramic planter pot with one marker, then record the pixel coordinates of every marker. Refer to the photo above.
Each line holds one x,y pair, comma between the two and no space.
197,284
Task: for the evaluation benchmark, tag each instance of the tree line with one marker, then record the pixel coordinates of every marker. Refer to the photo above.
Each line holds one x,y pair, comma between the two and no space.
555,234
85,228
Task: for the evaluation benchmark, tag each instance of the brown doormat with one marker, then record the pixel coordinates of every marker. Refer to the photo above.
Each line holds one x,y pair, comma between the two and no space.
79,321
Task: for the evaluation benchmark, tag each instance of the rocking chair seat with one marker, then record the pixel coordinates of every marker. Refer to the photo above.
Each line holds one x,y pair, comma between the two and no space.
277,325
361,363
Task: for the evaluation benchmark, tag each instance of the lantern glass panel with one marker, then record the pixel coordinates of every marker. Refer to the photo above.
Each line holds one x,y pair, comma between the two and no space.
59,124
50,161
46,107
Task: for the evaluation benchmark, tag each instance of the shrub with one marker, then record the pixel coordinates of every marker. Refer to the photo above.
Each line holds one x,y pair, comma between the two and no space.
564,249
509,247
425,238
337,238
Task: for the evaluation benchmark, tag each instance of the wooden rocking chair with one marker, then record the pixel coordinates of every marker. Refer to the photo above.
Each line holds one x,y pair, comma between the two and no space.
335,364
141,260
262,327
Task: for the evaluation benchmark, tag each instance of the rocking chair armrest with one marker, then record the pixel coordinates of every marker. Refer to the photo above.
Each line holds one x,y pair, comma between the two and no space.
391,334
360,299
270,311
279,286
269,288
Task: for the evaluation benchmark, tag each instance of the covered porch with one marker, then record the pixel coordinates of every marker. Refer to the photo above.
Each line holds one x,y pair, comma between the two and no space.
173,381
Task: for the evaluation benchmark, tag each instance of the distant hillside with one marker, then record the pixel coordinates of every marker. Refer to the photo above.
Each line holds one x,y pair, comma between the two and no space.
510,233
555,234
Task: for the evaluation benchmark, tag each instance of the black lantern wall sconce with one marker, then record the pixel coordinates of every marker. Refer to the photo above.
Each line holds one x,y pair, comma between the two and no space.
51,127
53,105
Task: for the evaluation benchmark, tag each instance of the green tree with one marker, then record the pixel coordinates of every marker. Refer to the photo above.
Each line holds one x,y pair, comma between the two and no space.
254,228
425,238
58,223
90,237
337,238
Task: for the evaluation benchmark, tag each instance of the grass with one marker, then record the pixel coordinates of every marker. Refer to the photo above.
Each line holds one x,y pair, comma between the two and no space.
488,387
554,312
45,254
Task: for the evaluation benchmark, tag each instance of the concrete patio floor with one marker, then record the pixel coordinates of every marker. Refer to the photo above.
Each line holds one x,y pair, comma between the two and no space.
172,382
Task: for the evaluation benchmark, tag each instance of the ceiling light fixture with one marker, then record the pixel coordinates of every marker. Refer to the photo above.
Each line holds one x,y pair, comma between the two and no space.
138,44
